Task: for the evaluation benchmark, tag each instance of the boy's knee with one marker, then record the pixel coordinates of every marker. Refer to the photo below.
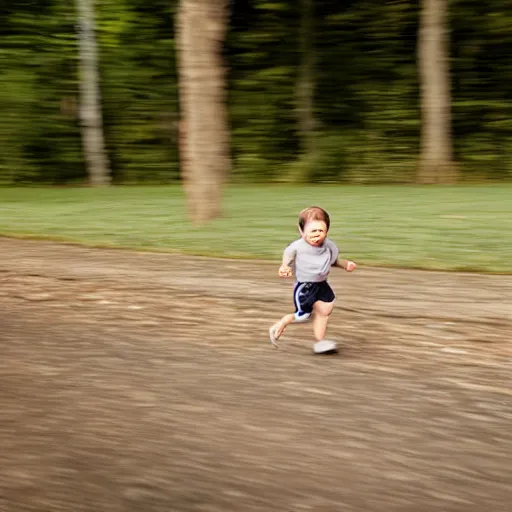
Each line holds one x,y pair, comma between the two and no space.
301,317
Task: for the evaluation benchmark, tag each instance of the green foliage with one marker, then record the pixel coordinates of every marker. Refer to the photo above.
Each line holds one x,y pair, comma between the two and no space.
367,64
482,71
39,133
39,141
138,68
366,91
262,82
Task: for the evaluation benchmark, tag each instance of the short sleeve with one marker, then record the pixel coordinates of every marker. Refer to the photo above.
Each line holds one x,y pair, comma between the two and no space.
333,250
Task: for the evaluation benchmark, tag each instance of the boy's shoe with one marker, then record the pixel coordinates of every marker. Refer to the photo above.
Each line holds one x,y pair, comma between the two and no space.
325,347
273,336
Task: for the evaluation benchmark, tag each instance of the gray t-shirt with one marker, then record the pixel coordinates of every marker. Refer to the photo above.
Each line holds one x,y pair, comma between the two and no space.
312,264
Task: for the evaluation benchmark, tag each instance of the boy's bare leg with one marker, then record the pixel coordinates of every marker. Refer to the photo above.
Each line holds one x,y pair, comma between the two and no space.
278,328
322,311
283,323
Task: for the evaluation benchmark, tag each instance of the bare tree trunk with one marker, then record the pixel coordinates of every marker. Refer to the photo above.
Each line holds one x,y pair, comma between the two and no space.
98,167
205,158
436,159
306,82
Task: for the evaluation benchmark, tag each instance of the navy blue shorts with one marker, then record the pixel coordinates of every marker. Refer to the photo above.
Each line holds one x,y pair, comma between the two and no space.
306,294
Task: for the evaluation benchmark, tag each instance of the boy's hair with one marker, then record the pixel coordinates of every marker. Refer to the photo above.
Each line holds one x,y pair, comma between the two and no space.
313,213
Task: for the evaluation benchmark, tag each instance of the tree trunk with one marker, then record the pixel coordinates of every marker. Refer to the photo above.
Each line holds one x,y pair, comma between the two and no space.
96,159
306,83
436,159
205,157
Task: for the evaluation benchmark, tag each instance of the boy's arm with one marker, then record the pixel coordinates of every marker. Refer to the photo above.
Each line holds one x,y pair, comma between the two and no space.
288,259
347,265
285,270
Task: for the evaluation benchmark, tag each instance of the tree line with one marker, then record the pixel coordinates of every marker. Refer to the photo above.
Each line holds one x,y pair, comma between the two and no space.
369,91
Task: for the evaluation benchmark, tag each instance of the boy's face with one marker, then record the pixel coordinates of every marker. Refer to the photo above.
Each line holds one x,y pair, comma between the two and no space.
315,232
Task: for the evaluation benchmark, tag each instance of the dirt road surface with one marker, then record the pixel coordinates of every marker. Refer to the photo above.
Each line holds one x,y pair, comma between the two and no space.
145,382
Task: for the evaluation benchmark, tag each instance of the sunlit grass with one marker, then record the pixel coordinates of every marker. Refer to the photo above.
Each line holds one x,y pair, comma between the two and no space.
456,228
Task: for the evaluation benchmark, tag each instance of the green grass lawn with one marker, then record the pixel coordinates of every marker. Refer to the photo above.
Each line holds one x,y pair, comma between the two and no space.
452,228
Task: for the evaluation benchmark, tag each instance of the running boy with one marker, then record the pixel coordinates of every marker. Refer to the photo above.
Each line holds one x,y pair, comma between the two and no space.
312,257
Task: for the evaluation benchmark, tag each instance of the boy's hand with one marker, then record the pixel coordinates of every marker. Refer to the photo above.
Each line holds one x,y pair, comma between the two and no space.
350,266
285,271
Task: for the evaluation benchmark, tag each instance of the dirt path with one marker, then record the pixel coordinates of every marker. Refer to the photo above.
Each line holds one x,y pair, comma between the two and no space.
144,382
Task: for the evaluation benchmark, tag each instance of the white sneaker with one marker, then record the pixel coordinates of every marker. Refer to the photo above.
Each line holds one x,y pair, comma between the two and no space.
325,346
273,336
